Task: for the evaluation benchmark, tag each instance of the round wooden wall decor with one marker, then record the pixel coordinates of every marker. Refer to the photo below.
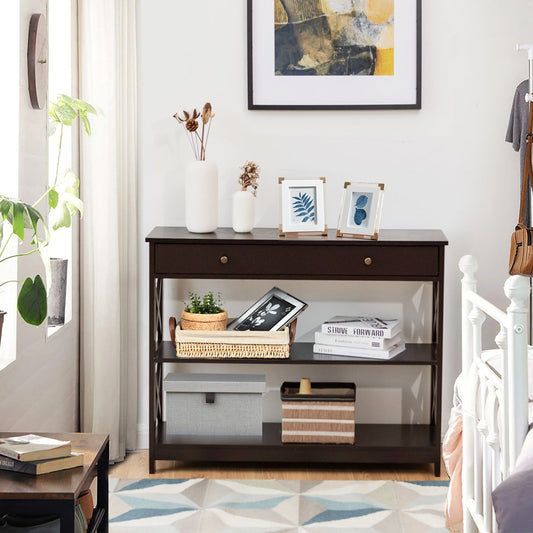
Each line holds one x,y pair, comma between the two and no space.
38,60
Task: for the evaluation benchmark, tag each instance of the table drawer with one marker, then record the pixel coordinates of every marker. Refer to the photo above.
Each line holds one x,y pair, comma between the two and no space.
294,260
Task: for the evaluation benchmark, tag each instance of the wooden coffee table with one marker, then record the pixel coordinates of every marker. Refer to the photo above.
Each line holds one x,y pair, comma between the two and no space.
55,493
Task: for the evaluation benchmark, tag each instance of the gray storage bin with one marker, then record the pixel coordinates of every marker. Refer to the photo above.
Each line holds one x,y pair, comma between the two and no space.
214,404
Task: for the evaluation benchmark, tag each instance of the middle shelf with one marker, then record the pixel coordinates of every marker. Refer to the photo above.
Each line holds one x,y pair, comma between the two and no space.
302,353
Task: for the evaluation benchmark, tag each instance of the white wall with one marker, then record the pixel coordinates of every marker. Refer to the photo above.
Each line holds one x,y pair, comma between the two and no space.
445,166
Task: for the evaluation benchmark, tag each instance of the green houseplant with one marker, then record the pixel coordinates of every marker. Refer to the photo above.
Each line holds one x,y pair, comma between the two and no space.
28,222
204,313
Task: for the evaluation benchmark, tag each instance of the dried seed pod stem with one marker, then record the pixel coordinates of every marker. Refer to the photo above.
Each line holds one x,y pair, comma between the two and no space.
190,120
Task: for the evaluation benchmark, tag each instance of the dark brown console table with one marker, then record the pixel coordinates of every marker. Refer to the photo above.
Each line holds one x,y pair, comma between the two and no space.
55,494
398,255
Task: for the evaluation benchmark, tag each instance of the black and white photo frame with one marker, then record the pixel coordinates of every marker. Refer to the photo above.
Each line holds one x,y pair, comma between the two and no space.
270,313
303,206
360,211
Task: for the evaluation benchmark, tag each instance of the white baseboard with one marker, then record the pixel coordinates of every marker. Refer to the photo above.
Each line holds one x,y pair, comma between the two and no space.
143,438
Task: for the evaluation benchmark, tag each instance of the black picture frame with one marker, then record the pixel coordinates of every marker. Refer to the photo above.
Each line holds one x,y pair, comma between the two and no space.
329,99
270,313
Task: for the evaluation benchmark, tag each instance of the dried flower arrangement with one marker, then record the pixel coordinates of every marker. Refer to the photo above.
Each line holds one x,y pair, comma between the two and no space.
198,142
249,176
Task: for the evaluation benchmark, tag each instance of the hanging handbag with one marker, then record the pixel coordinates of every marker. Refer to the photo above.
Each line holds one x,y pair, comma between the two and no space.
521,255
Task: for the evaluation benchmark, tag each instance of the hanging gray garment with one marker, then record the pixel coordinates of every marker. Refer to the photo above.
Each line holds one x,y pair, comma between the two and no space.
516,134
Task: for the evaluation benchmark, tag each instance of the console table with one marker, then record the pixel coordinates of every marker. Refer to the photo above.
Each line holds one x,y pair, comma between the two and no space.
55,494
398,255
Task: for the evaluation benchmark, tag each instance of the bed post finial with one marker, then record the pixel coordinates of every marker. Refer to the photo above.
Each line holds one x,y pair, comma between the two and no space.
468,266
516,288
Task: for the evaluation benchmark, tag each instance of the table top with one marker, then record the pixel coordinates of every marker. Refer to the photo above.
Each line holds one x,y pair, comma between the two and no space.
65,484
166,234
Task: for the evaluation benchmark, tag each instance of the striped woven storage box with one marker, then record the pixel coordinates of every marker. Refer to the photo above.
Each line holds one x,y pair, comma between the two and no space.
327,415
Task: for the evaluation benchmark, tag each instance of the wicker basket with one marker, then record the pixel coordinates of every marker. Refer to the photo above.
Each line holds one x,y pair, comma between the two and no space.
325,415
231,344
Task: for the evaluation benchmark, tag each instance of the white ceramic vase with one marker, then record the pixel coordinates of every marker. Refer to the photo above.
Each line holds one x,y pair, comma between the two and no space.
201,197
243,211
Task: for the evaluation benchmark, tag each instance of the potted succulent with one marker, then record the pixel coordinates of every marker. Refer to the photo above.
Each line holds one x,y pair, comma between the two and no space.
204,313
21,220
243,208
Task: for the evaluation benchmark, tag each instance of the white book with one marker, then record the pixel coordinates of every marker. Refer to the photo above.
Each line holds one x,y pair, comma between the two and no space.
378,343
362,326
359,352
33,447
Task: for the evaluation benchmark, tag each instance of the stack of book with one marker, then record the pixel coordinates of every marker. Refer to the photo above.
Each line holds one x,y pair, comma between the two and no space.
33,454
360,336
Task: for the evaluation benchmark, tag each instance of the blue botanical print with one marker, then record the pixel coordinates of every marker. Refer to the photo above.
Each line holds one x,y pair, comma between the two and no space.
304,207
360,213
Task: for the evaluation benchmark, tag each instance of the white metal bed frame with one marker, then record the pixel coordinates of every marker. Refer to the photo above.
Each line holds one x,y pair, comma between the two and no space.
495,406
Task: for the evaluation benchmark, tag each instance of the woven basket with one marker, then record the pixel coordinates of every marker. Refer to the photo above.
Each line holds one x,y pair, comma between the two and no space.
230,344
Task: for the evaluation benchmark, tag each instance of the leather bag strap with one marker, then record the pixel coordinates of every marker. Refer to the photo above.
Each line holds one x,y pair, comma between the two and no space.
528,169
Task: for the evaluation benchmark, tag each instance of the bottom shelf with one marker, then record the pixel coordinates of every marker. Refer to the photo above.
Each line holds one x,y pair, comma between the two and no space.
374,443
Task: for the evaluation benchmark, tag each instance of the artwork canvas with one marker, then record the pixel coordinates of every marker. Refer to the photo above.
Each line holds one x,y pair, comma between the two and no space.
322,54
302,206
360,210
270,313
334,38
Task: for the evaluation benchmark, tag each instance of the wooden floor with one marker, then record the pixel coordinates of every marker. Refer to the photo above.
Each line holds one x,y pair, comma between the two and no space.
136,466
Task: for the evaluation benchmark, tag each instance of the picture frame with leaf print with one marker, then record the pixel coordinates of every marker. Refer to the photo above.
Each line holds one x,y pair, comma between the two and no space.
302,206
270,313
360,212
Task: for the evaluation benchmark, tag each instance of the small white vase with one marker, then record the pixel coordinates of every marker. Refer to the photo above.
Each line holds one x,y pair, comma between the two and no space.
243,212
201,197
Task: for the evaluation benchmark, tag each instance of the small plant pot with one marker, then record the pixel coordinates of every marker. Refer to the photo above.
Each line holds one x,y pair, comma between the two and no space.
205,322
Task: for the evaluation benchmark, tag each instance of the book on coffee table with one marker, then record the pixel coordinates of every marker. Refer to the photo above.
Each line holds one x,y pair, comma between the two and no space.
43,466
33,447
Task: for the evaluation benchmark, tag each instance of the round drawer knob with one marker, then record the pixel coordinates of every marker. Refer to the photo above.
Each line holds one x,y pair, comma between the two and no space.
224,259
368,261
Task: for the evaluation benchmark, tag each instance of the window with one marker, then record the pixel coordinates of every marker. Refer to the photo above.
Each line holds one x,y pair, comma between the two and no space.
9,167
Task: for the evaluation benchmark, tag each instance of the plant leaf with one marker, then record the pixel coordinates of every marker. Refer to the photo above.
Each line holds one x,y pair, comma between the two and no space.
53,198
18,220
32,302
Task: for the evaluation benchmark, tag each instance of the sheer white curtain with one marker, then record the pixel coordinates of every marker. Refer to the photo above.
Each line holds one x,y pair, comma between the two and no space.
108,161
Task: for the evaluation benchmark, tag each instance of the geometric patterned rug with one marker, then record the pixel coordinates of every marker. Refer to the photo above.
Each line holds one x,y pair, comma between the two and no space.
268,506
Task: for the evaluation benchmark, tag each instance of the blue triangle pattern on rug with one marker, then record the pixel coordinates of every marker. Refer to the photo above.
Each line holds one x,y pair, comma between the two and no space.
333,514
231,506
256,504
335,505
137,514
429,483
149,483
139,502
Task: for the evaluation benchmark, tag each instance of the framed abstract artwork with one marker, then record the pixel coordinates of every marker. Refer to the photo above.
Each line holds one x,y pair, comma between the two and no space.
302,206
360,210
334,54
